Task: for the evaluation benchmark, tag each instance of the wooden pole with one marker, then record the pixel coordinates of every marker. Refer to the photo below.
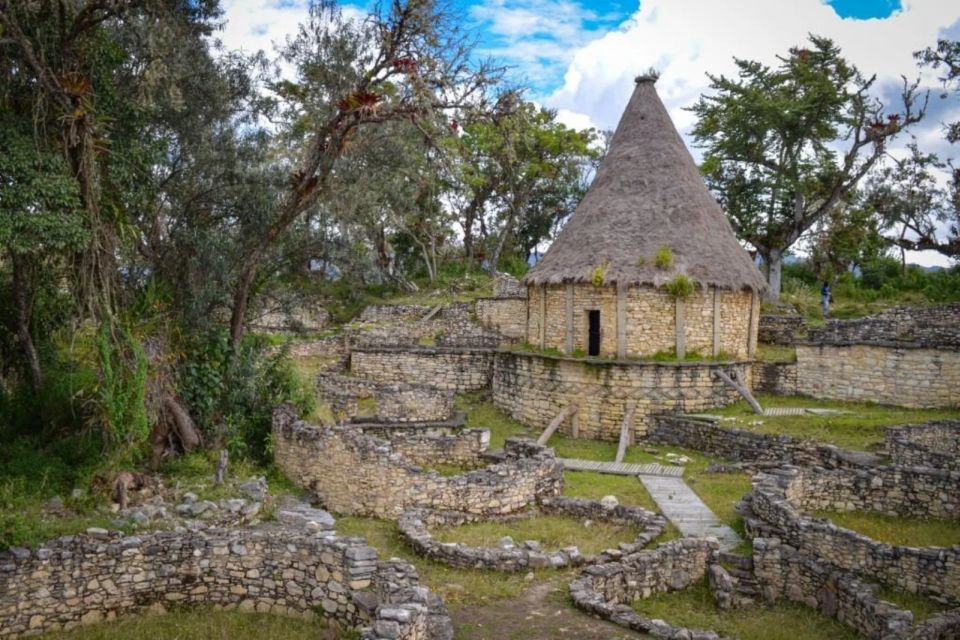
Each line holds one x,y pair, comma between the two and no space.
621,321
716,322
742,390
556,422
543,317
681,329
569,311
625,434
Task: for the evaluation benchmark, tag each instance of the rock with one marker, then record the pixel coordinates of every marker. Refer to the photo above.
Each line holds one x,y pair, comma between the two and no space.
199,508
530,576
532,545
234,505
255,489
609,502
506,542
77,493
189,497
53,504
587,523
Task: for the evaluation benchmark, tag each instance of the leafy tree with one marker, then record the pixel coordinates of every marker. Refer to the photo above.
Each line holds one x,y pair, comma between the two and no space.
771,138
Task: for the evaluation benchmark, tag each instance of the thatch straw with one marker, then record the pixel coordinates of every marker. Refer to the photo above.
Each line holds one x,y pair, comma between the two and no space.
648,193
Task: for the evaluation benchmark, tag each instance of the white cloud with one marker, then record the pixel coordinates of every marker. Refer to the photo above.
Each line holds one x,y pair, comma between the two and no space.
258,25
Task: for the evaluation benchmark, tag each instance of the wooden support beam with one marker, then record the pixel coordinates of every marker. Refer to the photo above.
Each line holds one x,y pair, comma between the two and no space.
575,424
543,317
432,313
742,390
569,311
752,328
621,321
717,338
681,329
625,433
556,422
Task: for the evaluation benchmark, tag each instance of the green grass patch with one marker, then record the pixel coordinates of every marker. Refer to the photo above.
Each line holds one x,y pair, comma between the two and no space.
455,586
921,607
207,624
309,366
694,607
862,426
447,470
553,532
776,353
481,413
912,532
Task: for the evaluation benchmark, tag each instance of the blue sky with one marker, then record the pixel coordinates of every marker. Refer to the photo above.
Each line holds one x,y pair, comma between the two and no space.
580,57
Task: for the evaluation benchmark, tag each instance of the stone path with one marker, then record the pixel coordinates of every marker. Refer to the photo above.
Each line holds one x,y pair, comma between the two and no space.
687,511
621,468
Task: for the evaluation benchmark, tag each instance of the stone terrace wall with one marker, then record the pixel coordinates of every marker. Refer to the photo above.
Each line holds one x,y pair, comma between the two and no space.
782,572
84,579
932,444
775,377
453,325
781,329
456,370
606,590
909,377
741,445
506,286
415,525
774,509
507,316
429,443
353,473
933,327
393,402
534,388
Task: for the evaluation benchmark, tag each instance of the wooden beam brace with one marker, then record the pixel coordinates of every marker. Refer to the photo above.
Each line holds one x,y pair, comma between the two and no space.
556,422
681,329
569,311
621,321
625,433
742,390
717,338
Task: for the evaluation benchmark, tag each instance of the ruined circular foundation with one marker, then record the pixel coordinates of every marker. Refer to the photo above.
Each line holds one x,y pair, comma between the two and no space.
415,525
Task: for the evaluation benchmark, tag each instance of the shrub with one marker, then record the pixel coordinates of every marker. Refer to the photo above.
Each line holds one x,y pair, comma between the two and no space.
663,258
599,273
680,287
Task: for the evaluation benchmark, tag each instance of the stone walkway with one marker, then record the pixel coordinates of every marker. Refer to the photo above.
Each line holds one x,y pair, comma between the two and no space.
686,510
621,468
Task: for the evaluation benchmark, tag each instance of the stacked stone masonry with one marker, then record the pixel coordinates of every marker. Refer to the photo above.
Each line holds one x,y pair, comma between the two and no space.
507,316
775,377
606,590
741,445
781,329
776,507
351,398
534,388
649,316
430,443
415,525
354,473
450,369
934,327
453,325
84,579
932,444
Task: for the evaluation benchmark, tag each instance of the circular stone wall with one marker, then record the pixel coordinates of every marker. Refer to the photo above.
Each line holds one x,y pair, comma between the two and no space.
415,525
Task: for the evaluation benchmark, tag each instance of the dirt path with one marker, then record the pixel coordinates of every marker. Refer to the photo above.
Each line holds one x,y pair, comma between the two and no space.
542,612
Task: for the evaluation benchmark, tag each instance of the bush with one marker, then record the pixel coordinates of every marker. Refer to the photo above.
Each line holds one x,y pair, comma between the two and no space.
663,258
599,274
680,287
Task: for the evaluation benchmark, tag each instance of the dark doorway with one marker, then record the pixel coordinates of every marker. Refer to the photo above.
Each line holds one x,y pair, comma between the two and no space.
593,341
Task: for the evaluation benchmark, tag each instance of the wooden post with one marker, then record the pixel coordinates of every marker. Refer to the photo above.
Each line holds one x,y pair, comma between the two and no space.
575,424
569,319
681,329
751,331
625,434
621,321
742,390
716,321
556,422
543,317
526,333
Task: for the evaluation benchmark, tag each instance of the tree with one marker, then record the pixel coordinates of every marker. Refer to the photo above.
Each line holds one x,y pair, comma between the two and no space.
785,145
401,63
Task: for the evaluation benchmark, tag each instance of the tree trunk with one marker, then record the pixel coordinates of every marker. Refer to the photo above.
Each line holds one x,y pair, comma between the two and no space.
774,260
22,298
241,297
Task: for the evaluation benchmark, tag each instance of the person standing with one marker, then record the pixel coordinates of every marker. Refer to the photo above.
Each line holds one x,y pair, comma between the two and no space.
825,299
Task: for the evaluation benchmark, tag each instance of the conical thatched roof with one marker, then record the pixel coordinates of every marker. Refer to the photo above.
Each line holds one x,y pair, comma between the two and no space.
648,193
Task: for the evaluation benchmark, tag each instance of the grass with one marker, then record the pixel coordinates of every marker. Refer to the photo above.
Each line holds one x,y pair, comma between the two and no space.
694,607
553,532
207,624
863,426
483,414
309,366
911,532
455,586
776,353
921,606
447,470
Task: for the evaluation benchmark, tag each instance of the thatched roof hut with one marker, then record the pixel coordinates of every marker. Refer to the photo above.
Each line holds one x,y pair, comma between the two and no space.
648,193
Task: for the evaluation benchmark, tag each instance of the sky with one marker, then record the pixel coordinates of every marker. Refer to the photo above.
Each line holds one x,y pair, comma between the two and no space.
580,57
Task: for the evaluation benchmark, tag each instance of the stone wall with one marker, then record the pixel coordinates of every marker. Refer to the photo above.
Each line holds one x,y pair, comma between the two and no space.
415,525
650,319
781,329
452,325
775,377
359,474
606,590
456,370
506,286
910,377
741,445
84,579
426,444
775,509
932,444
533,388
930,327
350,397
783,573
507,316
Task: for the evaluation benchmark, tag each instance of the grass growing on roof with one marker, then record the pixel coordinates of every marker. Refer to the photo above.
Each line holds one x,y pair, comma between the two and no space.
913,532
863,426
207,624
554,532
694,607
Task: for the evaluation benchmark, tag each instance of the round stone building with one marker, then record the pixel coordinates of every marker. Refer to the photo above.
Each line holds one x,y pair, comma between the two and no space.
647,266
